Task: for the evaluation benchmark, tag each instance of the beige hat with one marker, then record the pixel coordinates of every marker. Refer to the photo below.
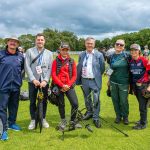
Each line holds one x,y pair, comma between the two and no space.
135,46
12,38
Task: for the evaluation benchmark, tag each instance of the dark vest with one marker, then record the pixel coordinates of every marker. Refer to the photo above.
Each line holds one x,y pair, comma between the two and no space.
59,65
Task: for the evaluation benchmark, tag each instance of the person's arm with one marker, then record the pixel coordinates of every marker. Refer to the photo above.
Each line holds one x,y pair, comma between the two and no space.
146,64
78,80
102,64
28,67
47,77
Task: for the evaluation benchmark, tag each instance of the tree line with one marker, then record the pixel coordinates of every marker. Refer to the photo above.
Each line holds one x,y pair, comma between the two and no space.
55,37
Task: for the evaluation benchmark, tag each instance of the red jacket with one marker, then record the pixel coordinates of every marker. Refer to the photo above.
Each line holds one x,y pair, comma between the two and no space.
63,77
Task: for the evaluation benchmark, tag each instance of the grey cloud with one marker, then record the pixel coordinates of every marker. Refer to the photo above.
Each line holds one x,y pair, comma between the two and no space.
82,17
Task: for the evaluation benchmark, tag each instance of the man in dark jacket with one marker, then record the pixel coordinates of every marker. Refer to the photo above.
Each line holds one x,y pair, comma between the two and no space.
11,66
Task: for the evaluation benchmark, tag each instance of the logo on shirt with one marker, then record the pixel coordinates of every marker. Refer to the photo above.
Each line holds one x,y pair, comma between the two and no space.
138,64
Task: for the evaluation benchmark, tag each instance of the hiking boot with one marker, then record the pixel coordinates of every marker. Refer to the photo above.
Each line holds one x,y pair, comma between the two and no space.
74,125
62,125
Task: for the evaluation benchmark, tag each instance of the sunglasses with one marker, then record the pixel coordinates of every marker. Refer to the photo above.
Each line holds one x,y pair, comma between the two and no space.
118,44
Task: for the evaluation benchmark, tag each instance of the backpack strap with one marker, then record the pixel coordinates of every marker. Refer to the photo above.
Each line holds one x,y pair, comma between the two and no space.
71,61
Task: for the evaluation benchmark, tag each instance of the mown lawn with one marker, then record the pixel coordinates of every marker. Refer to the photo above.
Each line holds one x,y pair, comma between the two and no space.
104,138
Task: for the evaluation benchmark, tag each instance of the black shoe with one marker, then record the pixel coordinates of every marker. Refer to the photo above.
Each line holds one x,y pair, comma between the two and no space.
138,122
139,127
87,117
72,125
117,120
126,121
97,123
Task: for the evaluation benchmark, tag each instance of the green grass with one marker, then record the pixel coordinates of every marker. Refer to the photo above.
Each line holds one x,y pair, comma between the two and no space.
104,138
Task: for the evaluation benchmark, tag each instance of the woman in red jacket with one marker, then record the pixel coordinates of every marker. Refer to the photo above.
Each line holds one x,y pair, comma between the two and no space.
140,73
64,75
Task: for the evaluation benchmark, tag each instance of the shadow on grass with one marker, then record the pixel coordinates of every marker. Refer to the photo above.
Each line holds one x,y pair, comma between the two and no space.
54,120
110,123
72,134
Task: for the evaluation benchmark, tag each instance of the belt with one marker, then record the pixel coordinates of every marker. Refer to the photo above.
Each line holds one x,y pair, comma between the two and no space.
89,78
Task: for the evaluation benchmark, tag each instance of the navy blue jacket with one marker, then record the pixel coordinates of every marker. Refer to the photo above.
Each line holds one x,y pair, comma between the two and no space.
11,66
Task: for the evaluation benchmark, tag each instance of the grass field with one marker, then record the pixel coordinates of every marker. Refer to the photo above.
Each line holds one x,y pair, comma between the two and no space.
104,138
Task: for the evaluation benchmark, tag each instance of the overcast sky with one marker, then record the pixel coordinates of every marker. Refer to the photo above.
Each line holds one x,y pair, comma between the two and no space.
99,18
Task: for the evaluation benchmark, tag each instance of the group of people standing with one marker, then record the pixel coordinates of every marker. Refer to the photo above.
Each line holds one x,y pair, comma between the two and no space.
40,67
128,72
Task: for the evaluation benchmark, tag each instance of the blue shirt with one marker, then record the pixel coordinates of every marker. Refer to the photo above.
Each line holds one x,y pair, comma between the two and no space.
11,66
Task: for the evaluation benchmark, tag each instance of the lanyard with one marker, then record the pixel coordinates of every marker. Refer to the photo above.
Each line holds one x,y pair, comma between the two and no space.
86,59
40,59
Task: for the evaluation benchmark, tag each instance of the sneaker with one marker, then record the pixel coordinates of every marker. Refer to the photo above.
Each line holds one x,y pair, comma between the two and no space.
45,124
4,136
62,125
78,125
139,127
126,121
31,125
14,127
117,120
72,125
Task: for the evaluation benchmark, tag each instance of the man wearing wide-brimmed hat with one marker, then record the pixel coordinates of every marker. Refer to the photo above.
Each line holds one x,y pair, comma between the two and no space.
11,66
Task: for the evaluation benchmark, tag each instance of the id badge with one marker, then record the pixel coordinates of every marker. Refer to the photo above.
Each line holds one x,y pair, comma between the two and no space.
109,72
84,71
38,69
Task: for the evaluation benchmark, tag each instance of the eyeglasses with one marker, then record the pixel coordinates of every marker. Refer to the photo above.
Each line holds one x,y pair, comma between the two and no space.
118,44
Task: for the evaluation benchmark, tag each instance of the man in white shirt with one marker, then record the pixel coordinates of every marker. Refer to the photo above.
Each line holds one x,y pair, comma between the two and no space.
90,68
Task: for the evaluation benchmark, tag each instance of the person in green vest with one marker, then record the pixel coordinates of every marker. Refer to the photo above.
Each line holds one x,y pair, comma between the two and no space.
119,82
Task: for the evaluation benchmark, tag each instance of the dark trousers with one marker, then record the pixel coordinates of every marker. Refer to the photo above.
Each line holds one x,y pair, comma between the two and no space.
119,95
91,97
71,95
33,96
142,104
9,100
